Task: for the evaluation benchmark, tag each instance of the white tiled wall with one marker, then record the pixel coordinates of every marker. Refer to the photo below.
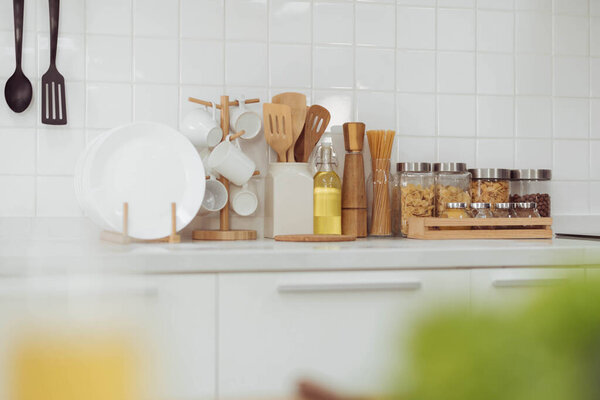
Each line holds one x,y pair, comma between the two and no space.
495,83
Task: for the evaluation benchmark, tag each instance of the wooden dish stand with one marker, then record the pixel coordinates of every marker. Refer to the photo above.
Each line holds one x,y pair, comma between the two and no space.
474,228
224,233
124,238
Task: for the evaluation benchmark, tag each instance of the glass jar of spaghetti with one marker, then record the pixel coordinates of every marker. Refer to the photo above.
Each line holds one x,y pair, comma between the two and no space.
413,195
490,185
452,182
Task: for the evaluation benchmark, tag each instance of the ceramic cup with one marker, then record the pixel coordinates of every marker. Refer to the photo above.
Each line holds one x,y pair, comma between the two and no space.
228,160
215,197
202,128
242,118
243,200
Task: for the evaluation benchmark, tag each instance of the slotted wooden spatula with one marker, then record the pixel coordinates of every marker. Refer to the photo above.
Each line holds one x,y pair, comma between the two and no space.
317,120
278,128
297,103
54,104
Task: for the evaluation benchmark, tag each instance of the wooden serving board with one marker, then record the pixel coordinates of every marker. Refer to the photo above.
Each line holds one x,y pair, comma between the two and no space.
520,228
315,238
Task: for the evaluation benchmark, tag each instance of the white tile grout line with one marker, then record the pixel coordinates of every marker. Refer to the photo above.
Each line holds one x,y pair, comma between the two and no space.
268,11
589,55
477,133
179,50
514,124
436,107
133,65
354,65
224,81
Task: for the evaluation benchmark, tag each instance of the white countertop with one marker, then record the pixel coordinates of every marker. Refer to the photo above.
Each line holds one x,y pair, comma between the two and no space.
47,252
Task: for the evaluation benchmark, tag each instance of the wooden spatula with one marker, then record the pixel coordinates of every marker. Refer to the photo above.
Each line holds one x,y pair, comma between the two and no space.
297,103
278,128
317,120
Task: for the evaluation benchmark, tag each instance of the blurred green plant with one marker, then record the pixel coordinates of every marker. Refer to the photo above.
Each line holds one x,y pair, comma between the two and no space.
548,349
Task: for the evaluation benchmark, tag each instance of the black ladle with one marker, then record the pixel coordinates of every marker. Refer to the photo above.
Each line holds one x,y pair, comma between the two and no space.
18,91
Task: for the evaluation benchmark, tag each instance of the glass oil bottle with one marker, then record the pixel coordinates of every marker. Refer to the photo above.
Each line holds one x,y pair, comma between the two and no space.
327,195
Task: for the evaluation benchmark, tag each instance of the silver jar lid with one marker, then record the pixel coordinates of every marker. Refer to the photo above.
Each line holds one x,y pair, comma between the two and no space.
456,205
531,174
450,167
504,206
490,173
413,167
526,205
481,205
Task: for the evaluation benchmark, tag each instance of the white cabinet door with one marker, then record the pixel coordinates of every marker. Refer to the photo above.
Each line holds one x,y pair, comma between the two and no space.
509,286
186,340
342,328
176,315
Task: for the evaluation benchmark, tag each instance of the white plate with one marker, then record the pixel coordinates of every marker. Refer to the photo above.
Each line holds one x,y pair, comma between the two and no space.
149,166
78,180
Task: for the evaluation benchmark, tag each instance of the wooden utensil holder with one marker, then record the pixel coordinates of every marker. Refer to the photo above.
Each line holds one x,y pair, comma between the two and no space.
475,228
224,233
124,238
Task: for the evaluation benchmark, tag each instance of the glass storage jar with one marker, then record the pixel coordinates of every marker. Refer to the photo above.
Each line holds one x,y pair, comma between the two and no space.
490,185
504,210
532,185
481,210
452,182
526,210
455,210
412,195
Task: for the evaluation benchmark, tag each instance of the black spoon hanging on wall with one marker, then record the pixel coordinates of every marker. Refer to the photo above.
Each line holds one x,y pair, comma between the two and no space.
18,91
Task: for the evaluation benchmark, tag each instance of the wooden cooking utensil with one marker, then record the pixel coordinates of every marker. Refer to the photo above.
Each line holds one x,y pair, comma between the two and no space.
278,128
297,103
315,238
317,120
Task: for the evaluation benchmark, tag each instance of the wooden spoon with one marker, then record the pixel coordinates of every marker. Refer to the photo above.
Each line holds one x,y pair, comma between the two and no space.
317,120
278,128
297,103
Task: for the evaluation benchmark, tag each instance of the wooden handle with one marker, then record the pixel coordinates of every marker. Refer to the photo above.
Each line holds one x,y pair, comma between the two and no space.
232,103
125,219
237,135
173,218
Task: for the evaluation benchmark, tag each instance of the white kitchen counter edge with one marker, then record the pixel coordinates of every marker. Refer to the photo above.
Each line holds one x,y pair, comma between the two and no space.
267,255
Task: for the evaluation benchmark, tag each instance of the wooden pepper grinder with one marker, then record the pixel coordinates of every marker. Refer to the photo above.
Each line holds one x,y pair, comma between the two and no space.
354,193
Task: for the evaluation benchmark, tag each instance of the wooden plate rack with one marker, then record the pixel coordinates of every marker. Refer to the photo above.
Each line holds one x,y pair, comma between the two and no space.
124,238
472,228
224,233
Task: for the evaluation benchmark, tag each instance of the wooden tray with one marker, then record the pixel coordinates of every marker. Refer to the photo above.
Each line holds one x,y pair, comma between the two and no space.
315,238
524,228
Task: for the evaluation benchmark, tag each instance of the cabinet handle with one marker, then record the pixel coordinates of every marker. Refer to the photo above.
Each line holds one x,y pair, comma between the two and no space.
525,283
349,287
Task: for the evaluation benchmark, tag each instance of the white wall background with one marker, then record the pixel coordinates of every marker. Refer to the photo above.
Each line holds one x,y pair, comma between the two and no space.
494,83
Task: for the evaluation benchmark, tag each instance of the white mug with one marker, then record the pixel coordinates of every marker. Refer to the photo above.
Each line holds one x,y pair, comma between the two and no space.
243,200
243,119
201,128
228,160
215,197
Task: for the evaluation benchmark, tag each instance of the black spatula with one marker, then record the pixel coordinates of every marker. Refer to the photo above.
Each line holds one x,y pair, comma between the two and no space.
54,105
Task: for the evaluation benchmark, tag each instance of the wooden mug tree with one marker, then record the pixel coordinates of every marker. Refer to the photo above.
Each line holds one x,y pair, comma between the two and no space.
224,233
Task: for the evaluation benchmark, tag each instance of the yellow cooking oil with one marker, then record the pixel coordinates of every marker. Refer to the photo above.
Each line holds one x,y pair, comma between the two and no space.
327,196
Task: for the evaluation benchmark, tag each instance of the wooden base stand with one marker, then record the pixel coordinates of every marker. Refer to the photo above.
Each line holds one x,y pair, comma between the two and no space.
124,238
224,234
471,228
